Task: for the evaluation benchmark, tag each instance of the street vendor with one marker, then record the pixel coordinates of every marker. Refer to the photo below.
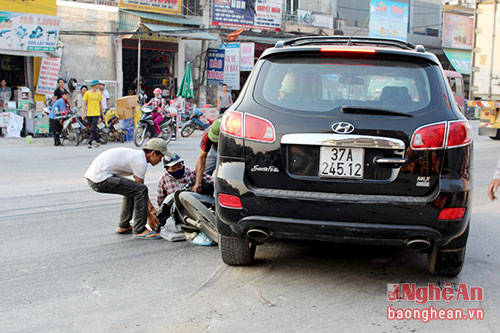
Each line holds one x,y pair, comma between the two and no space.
5,92
159,104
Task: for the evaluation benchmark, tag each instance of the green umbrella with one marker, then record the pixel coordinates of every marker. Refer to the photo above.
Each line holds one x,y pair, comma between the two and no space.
186,86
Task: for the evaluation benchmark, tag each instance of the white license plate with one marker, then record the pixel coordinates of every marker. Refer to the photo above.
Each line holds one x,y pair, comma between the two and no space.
100,125
75,125
117,126
339,162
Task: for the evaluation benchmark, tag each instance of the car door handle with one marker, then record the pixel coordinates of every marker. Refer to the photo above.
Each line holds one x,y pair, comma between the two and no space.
390,160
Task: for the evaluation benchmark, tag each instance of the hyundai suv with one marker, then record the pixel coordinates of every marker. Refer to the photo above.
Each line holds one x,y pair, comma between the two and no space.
342,139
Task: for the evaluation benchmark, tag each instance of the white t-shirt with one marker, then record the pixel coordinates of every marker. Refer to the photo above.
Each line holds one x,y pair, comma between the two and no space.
104,102
117,162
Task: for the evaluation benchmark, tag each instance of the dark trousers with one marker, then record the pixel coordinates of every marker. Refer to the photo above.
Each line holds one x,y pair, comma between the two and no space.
93,121
135,200
55,128
222,110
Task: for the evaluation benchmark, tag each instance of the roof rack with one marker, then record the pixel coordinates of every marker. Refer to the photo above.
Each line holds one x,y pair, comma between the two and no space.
346,40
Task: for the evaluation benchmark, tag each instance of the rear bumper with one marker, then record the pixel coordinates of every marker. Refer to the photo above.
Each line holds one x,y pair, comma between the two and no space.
380,220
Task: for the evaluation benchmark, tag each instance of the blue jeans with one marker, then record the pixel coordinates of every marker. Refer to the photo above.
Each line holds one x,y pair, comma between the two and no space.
211,162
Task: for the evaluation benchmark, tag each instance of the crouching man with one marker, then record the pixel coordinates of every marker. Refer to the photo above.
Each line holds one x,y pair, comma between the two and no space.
107,174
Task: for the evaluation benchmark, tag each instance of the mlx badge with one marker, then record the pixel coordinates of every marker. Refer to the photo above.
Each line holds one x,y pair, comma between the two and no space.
423,181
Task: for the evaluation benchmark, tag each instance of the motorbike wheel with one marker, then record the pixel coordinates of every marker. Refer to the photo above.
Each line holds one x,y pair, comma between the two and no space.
187,130
166,133
122,137
73,136
103,137
200,213
140,135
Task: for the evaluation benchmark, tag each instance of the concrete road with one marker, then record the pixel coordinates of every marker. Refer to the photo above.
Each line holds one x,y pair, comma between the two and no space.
63,269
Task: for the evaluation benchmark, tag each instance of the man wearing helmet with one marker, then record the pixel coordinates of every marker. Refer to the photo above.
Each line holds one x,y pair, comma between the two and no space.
159,104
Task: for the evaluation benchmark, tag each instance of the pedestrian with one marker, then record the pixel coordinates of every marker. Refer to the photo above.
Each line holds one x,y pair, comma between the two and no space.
159,105
225,100
207,157
5,92
92,109
175,177
495,182
79,97
107,174
60,108
105,97
60,88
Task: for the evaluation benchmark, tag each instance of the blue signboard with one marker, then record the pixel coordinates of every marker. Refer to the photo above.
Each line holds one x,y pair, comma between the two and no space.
388,19
215,66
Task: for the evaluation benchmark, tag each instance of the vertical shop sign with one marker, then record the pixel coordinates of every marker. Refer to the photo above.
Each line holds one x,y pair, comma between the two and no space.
215,66
388,19
258,14
247,56
231,65
47,78
28,32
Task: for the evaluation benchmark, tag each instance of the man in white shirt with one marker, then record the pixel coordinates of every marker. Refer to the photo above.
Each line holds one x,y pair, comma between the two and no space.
105,97
107,174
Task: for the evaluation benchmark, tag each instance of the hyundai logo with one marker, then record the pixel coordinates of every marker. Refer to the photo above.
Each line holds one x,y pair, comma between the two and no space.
342,128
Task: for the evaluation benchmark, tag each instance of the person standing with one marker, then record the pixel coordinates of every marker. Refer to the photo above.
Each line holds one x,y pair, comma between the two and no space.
60,88
92,110
107,174
105,96
60,108
5,92
79,97
225,99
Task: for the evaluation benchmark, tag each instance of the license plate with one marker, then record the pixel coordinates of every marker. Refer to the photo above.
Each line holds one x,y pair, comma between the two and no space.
117,126
100,125
336,162
75,125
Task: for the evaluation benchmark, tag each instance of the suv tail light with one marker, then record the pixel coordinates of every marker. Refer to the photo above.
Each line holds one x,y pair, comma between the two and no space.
457,133
452,213
255,128
232,123
429,137
259,129
229,201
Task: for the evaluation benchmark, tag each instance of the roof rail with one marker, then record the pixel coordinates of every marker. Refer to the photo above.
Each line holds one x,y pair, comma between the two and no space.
358,40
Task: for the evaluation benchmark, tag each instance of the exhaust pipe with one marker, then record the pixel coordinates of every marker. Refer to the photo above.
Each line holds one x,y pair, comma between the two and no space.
258,235
418,244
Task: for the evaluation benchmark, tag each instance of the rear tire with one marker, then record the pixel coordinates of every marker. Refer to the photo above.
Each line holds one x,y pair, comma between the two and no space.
237,251
140,135
448,260
74,136
103,138
187,130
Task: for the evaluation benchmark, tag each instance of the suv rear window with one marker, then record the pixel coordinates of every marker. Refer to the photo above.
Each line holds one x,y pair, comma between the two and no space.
323,84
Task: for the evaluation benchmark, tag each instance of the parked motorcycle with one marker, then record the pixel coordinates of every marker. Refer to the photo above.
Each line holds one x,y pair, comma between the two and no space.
70,129
102,130
191,212
194,123
146,127
116,131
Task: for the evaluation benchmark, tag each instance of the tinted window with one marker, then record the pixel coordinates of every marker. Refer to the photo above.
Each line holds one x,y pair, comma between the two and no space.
323,84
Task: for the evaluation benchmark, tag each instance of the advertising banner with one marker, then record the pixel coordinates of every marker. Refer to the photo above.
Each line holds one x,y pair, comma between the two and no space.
460,60
254,14
157,6
215,67
247,55
457,31
313,19
231,65
28,32
47,78
388,19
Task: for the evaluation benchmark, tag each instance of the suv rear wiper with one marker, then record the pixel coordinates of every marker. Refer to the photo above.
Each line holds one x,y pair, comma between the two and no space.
364,110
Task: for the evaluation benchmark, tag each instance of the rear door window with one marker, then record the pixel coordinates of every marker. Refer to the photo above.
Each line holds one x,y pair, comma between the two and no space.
317,84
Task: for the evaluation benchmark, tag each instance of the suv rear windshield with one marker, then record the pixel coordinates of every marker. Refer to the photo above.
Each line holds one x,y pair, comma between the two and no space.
323,84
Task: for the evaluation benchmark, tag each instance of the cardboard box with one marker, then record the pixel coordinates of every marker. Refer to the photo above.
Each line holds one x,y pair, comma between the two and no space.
126,102
22,93
129,113
39,106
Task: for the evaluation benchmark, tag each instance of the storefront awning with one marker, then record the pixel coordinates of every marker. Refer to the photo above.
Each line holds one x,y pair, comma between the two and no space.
179,32
460,60
30,53
190,20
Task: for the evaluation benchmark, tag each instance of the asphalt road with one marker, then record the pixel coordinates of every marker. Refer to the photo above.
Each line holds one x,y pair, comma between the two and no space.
63,269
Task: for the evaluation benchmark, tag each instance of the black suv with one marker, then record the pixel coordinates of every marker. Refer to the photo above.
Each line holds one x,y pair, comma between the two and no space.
353,140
